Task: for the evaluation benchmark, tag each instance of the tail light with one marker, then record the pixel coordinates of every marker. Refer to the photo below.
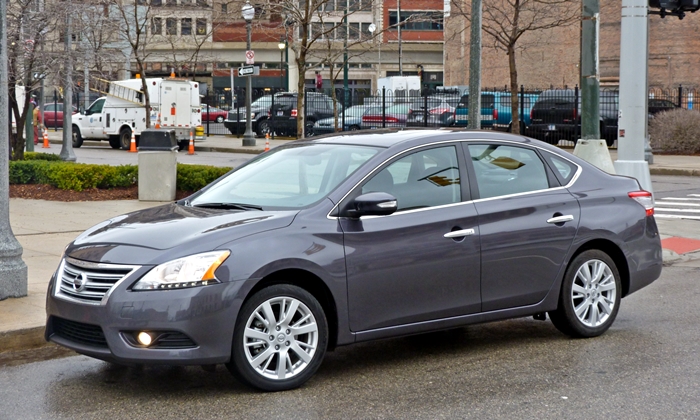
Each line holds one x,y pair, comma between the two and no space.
575,113
495,114
294,113
645,199
439,110
392,120
531,109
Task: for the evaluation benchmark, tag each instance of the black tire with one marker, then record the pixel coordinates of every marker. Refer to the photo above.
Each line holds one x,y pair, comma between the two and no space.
354,127
125,138
77,138
597,301
114,142
264,127
279,341
219,119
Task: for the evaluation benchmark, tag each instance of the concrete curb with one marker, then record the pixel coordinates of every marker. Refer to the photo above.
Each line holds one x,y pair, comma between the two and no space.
22,339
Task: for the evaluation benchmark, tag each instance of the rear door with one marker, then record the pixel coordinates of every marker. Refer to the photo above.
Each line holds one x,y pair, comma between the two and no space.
527,223
175,99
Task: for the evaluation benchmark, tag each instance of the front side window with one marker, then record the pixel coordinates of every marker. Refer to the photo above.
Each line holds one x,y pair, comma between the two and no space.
288,178
426,178
504,170
96,107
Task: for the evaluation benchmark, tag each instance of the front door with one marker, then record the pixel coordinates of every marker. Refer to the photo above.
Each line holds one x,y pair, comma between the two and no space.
410,266
94,125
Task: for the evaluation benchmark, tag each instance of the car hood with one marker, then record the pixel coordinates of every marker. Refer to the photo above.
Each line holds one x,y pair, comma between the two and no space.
170,231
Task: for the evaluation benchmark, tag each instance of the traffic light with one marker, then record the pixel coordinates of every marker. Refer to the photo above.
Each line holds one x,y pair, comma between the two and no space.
673,7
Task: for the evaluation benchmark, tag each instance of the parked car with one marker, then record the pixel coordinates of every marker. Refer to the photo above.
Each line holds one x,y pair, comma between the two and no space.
53,114
393,116
656,106
440,111
212,113
317,106
327,242
488,105
352,119
503,112
259,110
557,116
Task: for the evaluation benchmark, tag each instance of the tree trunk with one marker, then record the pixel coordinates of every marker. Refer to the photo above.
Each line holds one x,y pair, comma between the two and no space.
514,108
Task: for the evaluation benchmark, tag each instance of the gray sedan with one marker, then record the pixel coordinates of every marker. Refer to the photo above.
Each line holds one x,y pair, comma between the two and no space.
329,242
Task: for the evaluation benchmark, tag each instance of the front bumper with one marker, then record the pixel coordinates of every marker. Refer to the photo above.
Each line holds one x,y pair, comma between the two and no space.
195,324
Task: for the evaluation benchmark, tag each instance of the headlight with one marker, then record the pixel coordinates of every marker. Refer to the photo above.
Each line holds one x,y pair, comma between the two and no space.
195,270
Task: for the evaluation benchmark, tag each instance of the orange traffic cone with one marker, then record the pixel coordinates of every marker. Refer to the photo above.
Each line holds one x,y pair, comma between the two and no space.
190,150
46,139
132,147
158,121
267,142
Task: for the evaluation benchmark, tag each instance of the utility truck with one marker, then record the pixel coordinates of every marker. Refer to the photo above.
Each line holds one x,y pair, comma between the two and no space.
396,90
121,112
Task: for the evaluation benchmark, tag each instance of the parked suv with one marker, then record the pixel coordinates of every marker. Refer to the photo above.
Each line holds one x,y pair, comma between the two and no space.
441,111
503,111
317,106
259,110
557,116
488,106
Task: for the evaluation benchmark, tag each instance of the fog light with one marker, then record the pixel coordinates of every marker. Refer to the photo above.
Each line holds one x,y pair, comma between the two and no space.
144,338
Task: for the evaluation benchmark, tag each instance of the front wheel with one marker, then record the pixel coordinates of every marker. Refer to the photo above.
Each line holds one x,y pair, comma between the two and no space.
114,142
219,119
279,340
77,138
309,128
264,127
590,296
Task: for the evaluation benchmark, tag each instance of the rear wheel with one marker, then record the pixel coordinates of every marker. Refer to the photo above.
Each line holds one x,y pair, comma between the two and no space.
280,338
590,296
77,138
125,138
114,142
264,127
219,119
309,128
354,127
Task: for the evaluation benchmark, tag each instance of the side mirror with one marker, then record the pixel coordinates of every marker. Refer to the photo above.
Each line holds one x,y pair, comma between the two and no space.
81,110
373,204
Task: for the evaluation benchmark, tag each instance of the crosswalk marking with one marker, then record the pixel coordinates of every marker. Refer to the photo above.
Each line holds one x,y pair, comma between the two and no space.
678,207
675,216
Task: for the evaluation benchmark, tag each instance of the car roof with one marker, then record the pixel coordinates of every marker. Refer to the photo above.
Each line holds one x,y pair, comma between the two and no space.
391,137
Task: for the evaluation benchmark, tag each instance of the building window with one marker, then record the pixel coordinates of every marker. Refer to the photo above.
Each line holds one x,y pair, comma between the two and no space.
171,2
201,26
202,3
224,7
171,26
417,21
157,26
186,26
354,33
156,3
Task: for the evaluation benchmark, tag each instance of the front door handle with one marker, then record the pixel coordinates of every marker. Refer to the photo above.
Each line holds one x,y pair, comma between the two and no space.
459,233
560,219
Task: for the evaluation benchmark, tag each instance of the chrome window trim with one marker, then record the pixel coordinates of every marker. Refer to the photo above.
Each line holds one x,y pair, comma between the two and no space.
579,169
91,265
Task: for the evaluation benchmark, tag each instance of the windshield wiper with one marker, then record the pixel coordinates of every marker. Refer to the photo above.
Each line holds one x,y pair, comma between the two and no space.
229,206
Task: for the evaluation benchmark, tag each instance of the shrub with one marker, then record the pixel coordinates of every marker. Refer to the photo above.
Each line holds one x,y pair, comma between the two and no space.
195,177
676,131
41,156
80,176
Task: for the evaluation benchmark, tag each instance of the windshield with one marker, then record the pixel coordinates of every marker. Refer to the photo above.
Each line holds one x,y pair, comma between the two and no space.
398,109
289,177
262,102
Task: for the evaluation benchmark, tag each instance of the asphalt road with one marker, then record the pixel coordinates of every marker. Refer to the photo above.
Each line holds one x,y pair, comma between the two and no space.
645,367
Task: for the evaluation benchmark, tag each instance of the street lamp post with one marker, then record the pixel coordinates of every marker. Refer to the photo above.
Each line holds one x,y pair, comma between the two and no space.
372,28
248,12
281,45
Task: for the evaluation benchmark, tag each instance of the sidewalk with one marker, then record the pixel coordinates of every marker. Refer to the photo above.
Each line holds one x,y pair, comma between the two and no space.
44,228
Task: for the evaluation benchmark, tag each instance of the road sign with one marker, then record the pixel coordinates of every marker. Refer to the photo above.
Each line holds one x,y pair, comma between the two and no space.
250,57
248,71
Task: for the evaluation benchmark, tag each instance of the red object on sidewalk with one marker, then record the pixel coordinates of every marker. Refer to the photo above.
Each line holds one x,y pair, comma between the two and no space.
680,245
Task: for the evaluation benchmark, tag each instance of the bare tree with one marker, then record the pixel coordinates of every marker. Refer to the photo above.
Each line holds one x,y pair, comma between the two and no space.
506,21
28,22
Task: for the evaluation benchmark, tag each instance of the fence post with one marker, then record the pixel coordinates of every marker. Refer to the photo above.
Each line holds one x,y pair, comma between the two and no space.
273,125
303,115
238,119
522,107
383,106
425,104
207,98
680,95
576,113
343,116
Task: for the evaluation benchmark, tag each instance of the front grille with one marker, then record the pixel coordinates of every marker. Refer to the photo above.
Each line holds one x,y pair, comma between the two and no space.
89,282
78,332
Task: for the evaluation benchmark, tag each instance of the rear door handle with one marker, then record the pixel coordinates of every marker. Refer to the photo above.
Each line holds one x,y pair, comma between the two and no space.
560,219
459,233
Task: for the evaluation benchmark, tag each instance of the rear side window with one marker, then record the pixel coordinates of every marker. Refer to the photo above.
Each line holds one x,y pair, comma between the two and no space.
488,101
563,169
504,170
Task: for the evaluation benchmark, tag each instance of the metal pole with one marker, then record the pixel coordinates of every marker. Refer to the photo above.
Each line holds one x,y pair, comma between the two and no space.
13,271
345,58
67,153
632,124
590,85
281,70
474,121
398,25
248,136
